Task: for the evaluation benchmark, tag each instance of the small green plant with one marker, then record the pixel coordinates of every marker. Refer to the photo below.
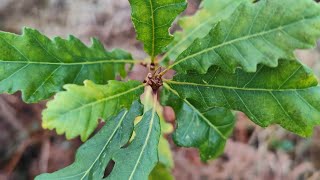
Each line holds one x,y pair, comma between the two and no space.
230,55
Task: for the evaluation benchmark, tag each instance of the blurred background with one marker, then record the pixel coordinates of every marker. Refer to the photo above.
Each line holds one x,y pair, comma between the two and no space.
27,150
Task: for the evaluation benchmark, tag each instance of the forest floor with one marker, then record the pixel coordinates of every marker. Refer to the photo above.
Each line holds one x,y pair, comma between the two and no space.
27,150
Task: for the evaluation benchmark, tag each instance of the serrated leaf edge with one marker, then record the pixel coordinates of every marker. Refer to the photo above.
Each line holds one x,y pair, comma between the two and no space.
86,82
196,110
232,69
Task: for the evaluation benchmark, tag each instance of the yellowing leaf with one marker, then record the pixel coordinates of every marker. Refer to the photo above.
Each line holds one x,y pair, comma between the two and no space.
76,111
161,172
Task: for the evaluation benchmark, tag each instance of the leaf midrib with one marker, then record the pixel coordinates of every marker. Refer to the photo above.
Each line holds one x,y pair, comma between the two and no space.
239,39
74,63
145,142
210,18
231,87
108,141
104,99
104,147
197,111
153,29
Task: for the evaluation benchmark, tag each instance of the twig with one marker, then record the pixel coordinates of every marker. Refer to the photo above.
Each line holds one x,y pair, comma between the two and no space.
45,154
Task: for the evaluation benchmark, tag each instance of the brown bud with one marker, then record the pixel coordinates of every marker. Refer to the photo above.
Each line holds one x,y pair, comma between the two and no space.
152,66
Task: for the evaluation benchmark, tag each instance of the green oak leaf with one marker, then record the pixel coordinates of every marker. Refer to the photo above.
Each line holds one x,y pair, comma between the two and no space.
288,95
39,67
76,110
206,128
140,157
256,33
93,156
199,24
152,20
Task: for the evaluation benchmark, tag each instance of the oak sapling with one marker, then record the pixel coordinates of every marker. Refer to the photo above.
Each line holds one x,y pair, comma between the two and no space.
229,56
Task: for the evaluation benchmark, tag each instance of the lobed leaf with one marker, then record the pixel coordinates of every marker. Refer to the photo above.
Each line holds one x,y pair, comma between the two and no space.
93,156
198,126
152,19
138,159
259,33
39,67
76,110
288,95
199,24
